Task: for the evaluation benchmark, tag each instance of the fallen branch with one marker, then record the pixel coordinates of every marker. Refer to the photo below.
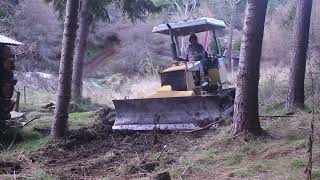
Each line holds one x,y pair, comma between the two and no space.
201,129
205,127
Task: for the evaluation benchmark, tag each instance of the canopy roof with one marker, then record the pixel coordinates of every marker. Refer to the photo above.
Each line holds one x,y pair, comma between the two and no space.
184,28
7,41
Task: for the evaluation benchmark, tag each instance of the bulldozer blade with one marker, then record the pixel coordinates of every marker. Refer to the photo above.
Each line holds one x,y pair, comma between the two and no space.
172,113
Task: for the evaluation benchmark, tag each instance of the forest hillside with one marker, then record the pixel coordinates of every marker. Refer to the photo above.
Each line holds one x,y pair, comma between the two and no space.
93,93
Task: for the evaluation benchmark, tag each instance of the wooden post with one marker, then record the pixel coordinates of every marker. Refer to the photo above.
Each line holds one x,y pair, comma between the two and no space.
24,95
17,102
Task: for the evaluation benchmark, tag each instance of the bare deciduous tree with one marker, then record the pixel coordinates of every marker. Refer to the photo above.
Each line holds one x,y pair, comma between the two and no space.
60,123
246,112
232,4
185,9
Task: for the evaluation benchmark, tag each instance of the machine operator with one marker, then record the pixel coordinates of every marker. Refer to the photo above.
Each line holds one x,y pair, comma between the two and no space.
195,51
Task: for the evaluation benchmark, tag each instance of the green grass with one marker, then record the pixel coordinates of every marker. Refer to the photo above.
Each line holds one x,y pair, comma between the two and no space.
267,126
274,109
83,105
211,153
251,170
315,174
41,174
35,99
32,145
243,172
297,163
27,139
23,141
30,140
250,148
76,120
298,142
81,119
199,168
260,168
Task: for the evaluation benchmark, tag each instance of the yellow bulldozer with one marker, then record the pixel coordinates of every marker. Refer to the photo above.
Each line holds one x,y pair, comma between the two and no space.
193,94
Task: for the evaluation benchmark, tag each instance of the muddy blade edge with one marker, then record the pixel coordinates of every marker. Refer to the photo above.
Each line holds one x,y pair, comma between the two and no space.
167,113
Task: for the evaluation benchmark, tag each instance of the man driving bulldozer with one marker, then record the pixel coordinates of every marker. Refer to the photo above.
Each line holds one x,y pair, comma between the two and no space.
195,51
191,93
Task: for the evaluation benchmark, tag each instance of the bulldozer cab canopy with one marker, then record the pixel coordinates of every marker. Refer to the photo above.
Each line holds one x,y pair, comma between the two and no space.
184,28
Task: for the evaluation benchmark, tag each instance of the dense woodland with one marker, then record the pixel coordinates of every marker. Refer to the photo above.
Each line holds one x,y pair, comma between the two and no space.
79,55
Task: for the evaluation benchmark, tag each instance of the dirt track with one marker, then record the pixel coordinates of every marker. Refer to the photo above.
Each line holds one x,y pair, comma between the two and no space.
100,60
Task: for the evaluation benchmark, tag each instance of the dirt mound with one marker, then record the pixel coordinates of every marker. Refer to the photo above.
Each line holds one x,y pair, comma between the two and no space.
105,120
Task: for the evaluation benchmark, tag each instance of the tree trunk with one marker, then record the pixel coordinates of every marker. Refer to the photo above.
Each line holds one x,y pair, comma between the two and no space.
80,54
230,47
298,67
60,123
246,112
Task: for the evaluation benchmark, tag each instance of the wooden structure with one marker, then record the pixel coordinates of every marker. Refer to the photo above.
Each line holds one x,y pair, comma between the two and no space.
7,79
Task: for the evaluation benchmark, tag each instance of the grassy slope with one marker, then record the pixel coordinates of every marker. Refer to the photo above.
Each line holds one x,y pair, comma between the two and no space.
281,157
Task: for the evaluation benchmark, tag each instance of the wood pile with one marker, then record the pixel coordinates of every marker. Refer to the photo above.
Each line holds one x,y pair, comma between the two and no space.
7,83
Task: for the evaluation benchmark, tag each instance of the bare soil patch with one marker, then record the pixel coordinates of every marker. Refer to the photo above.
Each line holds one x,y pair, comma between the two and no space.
99,152
86,154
